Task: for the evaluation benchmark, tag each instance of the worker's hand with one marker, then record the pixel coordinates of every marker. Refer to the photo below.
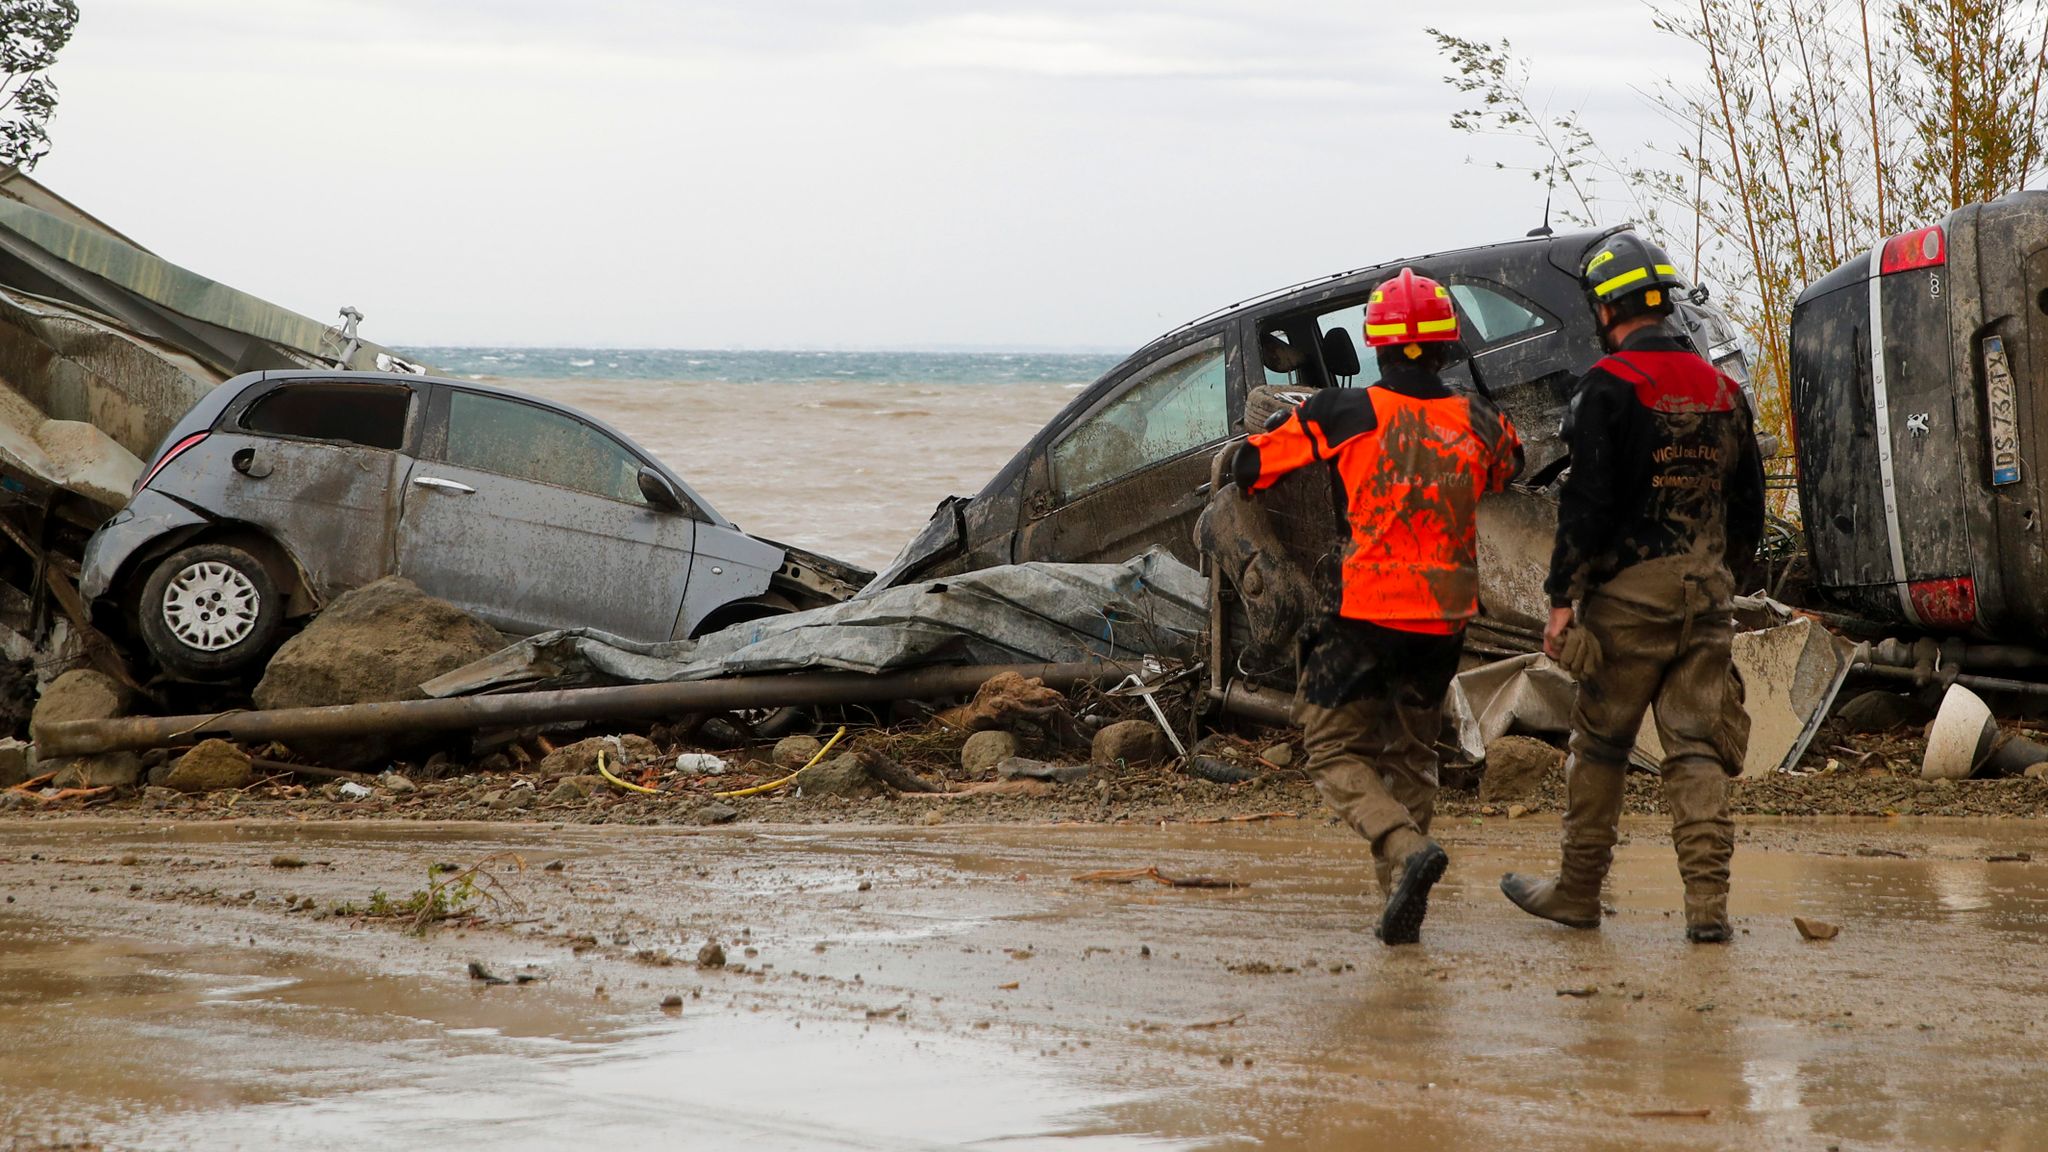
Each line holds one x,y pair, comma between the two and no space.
1553,634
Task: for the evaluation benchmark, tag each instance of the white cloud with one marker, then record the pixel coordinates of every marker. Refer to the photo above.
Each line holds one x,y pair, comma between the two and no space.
727,172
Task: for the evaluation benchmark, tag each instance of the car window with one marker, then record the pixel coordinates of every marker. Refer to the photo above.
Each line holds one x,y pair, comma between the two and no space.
1350,320
372,415
1177,405
1493,316
492,434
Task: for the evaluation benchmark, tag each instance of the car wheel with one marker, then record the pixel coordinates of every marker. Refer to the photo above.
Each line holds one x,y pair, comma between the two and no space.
209,611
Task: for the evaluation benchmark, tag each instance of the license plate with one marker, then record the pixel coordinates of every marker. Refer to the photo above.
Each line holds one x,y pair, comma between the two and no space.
2005,420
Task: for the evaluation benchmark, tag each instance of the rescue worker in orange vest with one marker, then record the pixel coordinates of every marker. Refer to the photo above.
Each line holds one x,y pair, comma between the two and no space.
1412,459
1665,496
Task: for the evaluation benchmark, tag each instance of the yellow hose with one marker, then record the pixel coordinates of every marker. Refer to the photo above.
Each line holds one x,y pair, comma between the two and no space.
607,774
772,785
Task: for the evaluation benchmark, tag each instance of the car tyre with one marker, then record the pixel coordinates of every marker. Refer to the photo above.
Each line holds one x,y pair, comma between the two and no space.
209,611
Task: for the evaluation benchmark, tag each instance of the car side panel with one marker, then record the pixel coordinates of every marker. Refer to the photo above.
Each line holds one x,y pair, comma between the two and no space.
528,557
729,565
331,505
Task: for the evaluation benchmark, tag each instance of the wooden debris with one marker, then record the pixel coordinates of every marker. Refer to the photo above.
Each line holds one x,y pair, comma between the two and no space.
1816,929
1133,875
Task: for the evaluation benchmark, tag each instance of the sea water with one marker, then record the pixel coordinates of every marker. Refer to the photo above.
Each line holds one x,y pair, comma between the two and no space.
846,453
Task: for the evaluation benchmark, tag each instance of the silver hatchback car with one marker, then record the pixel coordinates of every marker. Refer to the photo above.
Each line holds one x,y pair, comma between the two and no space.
281,490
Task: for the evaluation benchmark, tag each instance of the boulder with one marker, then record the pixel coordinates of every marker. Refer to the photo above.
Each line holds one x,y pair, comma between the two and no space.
1516,767
110,770
80,694
379,642
984,750
580,758
840,776
209,767
1136,743
794,751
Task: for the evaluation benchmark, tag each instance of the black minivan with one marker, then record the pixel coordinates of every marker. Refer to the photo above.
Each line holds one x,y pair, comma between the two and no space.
1123,467
1916,372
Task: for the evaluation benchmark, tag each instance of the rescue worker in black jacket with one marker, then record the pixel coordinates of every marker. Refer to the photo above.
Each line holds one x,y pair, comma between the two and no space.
1664,499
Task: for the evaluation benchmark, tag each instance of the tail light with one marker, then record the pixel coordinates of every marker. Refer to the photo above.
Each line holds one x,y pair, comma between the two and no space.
176,451
1950,605
1921,248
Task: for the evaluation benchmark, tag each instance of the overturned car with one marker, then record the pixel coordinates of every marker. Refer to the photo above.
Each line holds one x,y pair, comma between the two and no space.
280,490
1916,377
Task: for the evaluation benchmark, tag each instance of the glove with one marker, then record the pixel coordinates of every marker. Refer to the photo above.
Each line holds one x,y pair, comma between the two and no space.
1579,653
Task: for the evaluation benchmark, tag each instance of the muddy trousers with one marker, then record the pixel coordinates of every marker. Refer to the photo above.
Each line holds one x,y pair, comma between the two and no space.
1665,645
1370,707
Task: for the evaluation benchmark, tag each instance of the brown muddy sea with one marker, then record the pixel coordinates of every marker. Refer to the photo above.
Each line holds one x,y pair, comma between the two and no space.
851,469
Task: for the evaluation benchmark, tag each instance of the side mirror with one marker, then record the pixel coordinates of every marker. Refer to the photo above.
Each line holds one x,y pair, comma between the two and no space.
657,491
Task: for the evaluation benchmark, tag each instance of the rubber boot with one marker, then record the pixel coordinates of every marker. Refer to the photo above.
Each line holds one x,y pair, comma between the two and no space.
1706,918
1417,863
1591,816
1696,792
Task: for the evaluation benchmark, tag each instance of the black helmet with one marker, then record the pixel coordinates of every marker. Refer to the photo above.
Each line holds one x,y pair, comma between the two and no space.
1627,271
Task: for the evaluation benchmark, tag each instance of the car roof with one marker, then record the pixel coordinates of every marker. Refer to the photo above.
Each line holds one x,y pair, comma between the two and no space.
1574,243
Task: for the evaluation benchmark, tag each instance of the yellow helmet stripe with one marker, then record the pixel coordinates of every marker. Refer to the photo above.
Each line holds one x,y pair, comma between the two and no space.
1386,329
1621,281
1666,270
1429,326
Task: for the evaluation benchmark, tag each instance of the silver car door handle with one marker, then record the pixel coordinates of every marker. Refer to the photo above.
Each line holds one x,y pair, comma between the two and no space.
444,485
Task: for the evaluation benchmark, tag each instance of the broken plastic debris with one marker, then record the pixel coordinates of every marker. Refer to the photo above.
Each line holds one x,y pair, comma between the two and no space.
702,764
350,790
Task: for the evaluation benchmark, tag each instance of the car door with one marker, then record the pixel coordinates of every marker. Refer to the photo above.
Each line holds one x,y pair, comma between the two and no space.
314,463
1126,474
532,519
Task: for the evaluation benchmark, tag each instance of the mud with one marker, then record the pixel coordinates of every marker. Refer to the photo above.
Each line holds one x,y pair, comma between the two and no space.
168,985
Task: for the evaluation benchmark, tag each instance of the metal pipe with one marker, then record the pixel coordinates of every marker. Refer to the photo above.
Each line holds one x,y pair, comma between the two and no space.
634,701
1252,703
1974,683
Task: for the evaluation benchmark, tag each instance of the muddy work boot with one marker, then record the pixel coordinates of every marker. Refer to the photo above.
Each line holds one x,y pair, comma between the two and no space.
1706,918
1593,791
1574,906
1417,864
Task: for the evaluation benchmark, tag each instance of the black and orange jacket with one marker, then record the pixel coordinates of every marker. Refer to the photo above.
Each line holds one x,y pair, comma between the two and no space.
1664,463
1412,458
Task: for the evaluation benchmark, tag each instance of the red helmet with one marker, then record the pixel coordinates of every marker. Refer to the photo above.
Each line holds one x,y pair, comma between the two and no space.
1409,309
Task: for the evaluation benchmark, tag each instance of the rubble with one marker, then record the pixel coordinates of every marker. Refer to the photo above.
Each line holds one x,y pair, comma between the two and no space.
579,760
80,694
844,775
17,761
987,749
1516,767
794,752
209,766
1131,743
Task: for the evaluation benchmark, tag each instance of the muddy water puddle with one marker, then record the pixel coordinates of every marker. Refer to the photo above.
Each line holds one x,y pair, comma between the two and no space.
139,1046
956,987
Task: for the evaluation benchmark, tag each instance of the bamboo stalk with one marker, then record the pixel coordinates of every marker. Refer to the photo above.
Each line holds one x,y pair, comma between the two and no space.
1876,132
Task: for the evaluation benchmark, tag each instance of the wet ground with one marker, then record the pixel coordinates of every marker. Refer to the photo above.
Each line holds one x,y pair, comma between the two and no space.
175,984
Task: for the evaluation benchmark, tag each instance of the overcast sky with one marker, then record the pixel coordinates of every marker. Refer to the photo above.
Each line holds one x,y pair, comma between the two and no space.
802,173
